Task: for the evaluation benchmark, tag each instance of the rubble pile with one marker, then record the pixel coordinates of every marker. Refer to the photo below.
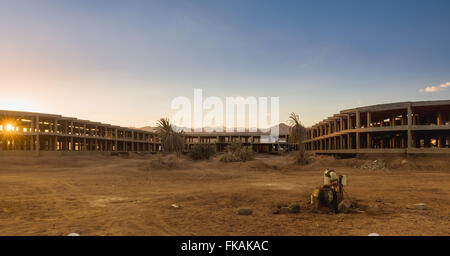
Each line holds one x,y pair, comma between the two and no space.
374,165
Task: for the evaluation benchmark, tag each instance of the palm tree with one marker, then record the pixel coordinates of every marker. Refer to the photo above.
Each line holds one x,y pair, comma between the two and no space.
296,129
297,133
171,141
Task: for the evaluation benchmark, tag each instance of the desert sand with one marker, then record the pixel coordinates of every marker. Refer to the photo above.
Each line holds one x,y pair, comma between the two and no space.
133,195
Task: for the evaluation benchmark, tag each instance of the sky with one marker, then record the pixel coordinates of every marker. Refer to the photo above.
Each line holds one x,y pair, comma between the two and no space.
122,62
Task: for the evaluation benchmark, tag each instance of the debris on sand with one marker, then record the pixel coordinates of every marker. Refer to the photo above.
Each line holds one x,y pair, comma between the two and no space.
285,209
420,206
373,234
73,234
245,211
175,206
295,208
374,165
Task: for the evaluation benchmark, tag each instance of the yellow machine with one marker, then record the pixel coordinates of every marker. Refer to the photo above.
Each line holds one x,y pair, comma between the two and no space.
331,193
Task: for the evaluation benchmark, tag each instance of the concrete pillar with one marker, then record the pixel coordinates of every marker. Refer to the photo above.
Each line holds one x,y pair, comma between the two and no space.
38,143
439,118
115,141
350,141
368,141
358,119
132,140
358,125
349,122
55,131
410,141
32,146
369,115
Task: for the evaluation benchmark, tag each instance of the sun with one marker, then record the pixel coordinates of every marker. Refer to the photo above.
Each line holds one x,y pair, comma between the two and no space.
9,127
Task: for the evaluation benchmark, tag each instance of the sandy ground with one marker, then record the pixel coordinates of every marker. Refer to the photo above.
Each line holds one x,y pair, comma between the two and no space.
111,195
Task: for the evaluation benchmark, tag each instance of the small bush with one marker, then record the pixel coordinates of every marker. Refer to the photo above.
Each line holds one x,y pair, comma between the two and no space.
201,152
237,153
302,157
160,162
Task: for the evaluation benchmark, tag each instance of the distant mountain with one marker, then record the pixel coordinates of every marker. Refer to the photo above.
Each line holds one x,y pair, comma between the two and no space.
148,128
283,128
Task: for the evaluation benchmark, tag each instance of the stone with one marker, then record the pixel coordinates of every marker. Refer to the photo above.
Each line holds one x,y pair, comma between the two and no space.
285,210
420,206
245,211
295,208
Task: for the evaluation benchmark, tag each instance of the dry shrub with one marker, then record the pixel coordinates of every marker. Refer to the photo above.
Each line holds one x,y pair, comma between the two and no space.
202,152
235,152
164,162
302,157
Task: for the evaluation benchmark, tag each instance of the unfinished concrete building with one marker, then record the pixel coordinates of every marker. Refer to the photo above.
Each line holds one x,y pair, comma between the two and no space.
398,128
39,133
36,132
257,140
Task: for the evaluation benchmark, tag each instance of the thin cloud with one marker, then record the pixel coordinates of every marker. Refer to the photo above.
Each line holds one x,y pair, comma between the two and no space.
433,88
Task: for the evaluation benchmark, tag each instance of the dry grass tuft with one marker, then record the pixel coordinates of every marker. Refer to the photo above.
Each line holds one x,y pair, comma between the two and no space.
235,152
168,162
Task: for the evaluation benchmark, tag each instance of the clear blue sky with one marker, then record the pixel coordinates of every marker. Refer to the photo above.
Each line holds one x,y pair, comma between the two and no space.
122,62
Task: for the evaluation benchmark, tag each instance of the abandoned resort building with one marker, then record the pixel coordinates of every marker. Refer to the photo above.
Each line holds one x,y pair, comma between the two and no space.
41,133
400,128
397,128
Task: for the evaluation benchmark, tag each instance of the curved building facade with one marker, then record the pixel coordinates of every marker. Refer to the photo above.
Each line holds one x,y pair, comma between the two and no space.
38,132
402,128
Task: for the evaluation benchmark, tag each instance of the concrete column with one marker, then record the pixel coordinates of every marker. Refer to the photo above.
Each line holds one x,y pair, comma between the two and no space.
350,142
368,119
38,143
410,141
368,141
358,119
55,131
439,118
132,140
115,141
349,122
358,125
31,143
